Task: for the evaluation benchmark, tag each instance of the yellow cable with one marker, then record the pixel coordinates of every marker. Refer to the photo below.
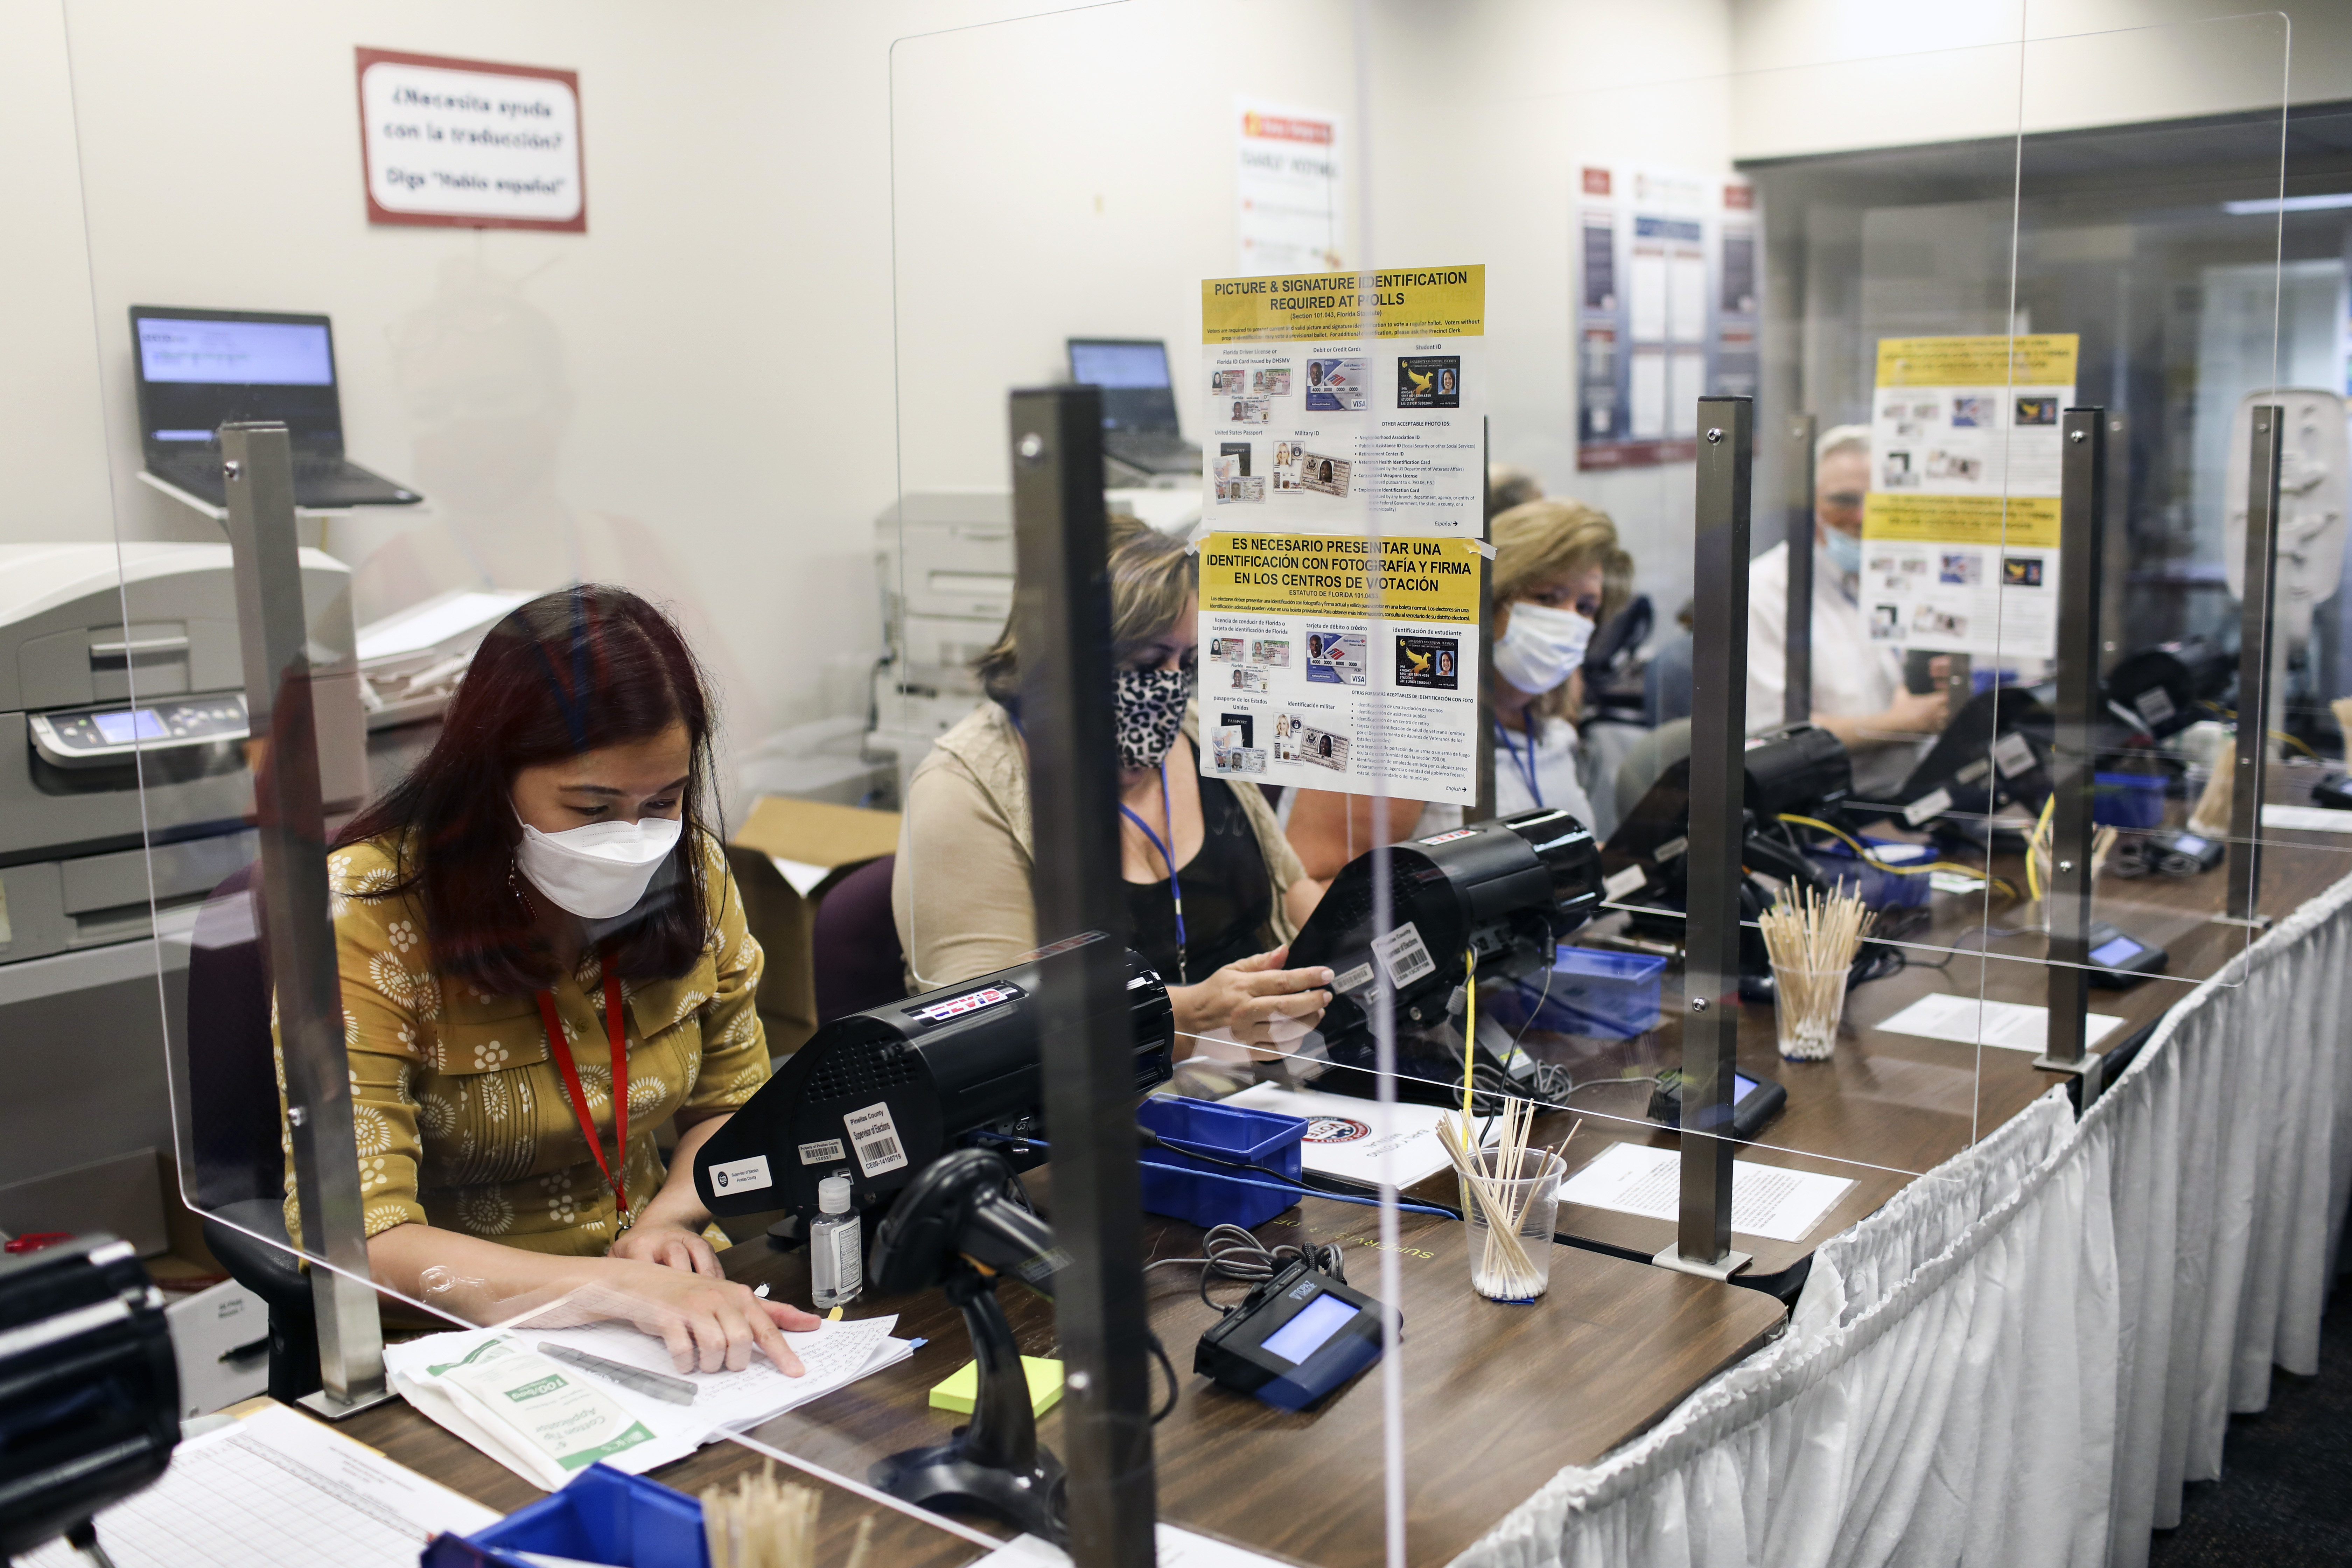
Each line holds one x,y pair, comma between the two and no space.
1928,869
2041,830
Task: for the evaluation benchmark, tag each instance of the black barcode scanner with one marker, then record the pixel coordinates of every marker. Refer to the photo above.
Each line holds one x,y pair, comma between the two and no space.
877,1095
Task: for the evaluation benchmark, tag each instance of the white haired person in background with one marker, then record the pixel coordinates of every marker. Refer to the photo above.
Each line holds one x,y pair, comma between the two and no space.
1858,690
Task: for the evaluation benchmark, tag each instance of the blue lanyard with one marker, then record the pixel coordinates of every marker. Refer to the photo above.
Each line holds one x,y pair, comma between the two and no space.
1175,891
1524,765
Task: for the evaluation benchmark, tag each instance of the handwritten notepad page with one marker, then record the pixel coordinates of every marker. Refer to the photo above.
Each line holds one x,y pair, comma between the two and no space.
835,1353
2012,1025
1766,1200
276,1489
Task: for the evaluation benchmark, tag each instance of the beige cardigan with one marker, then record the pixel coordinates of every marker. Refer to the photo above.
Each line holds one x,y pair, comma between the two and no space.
960,891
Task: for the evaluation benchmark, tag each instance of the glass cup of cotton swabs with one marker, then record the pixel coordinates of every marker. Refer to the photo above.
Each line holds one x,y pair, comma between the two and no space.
1812,940
1510,1195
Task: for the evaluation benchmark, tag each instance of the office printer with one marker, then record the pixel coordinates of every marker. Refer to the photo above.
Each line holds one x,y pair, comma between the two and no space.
74,842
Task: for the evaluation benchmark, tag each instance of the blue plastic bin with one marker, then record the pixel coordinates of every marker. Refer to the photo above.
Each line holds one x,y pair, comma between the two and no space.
1878,887
1594,992
605,1515
1203,1192
2128,800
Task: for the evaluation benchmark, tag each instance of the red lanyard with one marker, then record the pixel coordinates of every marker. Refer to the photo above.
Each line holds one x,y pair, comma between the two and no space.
616,1029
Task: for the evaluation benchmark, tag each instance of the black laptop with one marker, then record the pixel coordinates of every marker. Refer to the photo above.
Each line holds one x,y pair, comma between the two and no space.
199,370
1139,402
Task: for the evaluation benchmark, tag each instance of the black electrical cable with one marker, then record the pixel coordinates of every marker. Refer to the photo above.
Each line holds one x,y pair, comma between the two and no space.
1159,1353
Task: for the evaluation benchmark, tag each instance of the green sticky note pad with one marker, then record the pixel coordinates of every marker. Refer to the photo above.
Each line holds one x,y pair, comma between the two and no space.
962,1386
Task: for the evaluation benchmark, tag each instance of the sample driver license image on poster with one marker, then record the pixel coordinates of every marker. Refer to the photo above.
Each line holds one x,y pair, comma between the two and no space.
1359,419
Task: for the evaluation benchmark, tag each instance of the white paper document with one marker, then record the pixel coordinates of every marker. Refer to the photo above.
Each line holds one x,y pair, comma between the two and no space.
2012,1025
1348,1138
2308,818
1766,1200
836,1353
276,1489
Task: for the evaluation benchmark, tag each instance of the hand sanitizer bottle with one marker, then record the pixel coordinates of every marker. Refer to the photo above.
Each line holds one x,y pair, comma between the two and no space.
836,1253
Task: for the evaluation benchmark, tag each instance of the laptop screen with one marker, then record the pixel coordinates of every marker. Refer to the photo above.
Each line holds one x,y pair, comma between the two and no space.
1133,375
200,369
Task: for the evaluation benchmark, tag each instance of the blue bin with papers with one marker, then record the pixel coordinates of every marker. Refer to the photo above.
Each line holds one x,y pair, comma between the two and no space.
604,1516
1204,1192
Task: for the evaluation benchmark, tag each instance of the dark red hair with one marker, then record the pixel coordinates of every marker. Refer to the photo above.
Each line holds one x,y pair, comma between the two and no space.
571,672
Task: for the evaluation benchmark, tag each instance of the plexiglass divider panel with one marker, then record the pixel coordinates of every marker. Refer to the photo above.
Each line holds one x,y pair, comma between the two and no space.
1402,839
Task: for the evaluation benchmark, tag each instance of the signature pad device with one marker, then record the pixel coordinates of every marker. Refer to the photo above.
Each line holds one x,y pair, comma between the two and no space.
1753,1102
1293,1338
2118,962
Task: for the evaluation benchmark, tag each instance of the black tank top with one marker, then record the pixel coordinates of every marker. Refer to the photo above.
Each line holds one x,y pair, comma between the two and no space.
1228,898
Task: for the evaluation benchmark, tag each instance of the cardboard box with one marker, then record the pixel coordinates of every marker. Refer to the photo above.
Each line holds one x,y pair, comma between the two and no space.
787,855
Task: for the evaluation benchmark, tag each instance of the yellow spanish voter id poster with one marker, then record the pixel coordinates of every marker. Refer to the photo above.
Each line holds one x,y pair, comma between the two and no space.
1303,684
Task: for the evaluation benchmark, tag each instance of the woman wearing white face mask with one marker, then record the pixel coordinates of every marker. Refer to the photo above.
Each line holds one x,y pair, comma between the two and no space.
543,958
1559,573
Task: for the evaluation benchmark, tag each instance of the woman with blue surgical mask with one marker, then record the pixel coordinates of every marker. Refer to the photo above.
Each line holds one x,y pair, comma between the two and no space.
1858,691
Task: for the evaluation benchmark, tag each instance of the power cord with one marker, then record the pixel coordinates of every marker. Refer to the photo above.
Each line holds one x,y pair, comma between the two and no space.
1234,1253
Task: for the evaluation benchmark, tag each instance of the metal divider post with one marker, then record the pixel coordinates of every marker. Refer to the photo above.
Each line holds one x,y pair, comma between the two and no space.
1727,453
2254,672
273,629
2066,906
1797,656
1481,744
1061,613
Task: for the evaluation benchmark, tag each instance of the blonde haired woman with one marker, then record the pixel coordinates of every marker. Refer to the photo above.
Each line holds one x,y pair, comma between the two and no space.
1213,893
1559,573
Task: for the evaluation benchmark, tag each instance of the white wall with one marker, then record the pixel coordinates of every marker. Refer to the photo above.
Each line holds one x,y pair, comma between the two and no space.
1825,75
702,395
693,397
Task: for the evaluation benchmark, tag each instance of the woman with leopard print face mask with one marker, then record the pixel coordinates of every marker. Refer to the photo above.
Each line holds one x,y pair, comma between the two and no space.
1217,930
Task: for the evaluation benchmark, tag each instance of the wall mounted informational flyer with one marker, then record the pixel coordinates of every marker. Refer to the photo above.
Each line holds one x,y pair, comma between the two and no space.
1287,189
1315,425
1301,686
1960,529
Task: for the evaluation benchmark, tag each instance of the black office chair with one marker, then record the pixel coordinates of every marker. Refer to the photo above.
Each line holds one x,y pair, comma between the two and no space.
854,945
239,1163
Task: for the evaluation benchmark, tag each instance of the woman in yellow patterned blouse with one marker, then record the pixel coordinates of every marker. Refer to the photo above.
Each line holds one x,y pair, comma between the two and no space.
543,958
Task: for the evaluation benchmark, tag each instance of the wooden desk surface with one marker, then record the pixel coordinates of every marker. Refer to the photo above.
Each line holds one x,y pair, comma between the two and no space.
1497,1398
1887,1107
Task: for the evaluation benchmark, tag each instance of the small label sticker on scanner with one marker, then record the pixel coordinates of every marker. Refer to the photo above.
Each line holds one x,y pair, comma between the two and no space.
1973,772
1450,837
828,1152
876,1137
1670,850
1404,954
1632,879
2012,755
742,1176
1927,805
2154,705
1356,978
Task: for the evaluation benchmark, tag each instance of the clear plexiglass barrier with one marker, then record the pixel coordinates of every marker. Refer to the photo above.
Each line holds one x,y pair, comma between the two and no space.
1394,630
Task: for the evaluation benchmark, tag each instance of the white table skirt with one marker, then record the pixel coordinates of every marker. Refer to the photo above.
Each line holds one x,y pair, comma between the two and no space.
2023,1358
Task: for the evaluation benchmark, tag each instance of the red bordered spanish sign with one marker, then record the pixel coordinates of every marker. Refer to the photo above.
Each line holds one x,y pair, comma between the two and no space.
452,143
